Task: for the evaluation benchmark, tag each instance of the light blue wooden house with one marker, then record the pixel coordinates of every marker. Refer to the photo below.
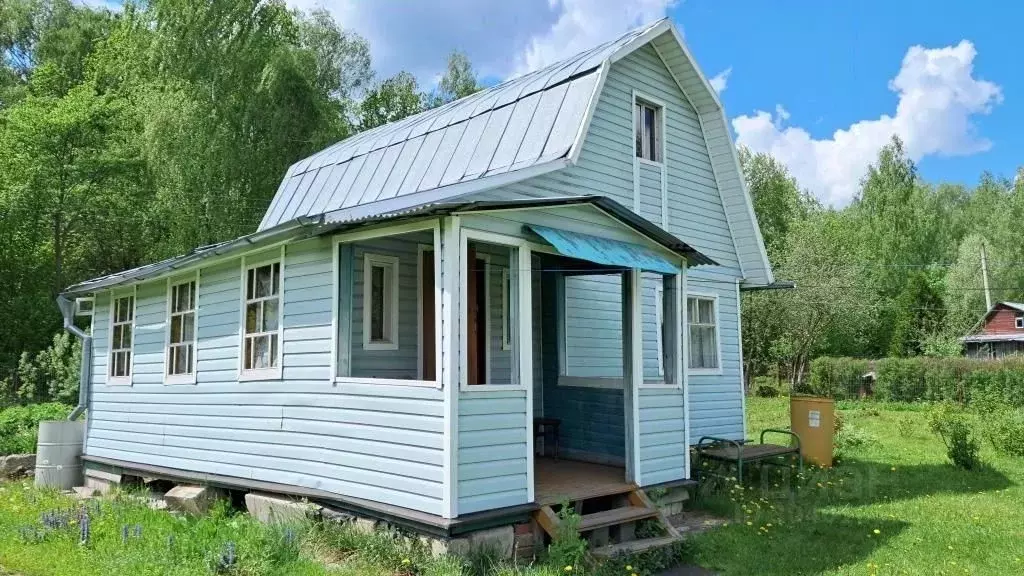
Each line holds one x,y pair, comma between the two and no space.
420,300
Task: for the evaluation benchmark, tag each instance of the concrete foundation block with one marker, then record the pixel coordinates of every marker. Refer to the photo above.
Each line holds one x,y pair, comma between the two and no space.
83,492
193,499
272,509
499,540
99,485
16,465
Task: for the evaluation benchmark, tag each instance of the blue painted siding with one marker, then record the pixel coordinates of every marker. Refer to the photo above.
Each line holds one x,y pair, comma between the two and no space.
717,400
492,456
593,326
382,443
402,363
662,436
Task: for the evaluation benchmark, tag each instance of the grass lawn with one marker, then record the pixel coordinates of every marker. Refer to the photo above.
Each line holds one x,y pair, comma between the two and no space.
892,505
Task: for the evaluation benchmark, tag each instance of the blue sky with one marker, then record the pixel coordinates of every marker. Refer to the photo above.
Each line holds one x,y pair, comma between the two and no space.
821,85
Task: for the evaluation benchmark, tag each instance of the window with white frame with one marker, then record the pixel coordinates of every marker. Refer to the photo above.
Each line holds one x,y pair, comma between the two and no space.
181,326
122,315
380,302
1019,322
702,319
262,317
506,309
647,127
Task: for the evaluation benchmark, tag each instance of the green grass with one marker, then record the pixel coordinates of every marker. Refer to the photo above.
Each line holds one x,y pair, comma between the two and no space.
892,505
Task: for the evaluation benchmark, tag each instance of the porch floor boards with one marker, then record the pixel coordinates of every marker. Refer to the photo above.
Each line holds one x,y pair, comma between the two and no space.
557,480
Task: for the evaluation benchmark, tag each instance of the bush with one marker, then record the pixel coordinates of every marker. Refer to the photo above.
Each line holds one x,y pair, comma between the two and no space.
567,548
767,387
849,437
961,380
954,426
19,425
839,378
1004,428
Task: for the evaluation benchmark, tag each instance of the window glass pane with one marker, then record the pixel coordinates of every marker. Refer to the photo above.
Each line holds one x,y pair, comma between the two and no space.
264,281
272,361
276,285
176,336
249,284
695,347
270,315
709,351
188,322
707,311
251,317
126,336
261,351
377,275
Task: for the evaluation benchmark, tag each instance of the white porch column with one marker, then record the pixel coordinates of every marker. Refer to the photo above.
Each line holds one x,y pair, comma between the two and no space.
450,254
682,326
524,313
632,367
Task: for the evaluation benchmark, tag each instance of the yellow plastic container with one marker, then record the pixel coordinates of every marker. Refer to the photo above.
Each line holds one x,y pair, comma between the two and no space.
813,419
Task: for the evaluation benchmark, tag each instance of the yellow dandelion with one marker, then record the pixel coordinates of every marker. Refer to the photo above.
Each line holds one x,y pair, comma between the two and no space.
749,523
877,531
629,568
568,568
405,561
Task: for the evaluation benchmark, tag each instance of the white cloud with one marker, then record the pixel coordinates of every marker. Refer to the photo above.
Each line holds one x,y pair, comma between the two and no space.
583,24
721,80
938,97
501,38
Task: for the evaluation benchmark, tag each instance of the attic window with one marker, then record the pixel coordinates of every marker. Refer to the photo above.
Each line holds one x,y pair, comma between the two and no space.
647,126
1019,322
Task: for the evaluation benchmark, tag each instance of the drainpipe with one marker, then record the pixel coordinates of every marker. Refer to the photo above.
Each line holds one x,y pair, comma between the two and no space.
67,310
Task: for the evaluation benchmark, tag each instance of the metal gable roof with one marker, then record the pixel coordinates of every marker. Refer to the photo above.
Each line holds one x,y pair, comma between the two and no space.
516,130
518,124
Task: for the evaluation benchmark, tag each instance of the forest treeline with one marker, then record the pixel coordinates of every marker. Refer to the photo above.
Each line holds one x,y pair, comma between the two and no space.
130,137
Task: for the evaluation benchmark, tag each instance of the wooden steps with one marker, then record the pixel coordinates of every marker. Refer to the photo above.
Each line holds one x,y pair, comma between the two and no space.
633,547
611,528
615,516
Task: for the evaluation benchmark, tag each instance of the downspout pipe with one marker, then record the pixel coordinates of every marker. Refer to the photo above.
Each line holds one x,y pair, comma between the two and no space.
67,310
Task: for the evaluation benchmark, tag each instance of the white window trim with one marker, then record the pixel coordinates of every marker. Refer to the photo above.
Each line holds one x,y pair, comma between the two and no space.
1018,321
659,319
191,377
718,334
506,328
659,119
523,320
85,306
369,261
638,161
386,231
256,374
122,380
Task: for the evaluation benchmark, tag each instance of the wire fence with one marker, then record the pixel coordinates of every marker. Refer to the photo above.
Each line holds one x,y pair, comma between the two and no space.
960,380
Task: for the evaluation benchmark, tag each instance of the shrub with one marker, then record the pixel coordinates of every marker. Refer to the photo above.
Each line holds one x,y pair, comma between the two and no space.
849,437
19,425
839,378
1004,429
767,387
567,548
954,426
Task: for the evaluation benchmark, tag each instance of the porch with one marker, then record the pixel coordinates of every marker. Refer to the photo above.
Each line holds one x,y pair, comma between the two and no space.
558,480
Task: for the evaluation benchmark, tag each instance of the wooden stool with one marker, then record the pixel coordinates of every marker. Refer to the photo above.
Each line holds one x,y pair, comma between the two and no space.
545,428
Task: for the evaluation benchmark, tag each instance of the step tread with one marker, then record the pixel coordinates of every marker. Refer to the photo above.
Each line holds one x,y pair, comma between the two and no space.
615,516
634,546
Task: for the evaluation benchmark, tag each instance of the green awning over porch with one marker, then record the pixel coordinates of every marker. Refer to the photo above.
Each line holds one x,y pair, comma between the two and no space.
605,251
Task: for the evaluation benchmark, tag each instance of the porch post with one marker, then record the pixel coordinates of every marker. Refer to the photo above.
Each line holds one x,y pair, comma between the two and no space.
524,312
682,328
450,254
632,368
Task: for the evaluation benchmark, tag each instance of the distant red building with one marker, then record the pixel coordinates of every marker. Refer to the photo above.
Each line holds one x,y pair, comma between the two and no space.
1000,333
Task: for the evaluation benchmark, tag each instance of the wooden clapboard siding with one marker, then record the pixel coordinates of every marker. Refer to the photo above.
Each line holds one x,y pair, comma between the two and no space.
662,436
492,456
716,400
381,443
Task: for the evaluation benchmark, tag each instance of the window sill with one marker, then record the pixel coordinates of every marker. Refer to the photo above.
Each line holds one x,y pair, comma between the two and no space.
647,162
180,379
348,381
380,346
705,372
486,388
119,381
268,374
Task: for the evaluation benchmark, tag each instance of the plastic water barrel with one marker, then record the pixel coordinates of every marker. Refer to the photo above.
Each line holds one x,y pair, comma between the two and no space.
813,420
59,454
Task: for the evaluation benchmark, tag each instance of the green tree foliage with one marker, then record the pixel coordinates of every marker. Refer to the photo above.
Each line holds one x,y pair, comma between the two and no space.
458,81
134,136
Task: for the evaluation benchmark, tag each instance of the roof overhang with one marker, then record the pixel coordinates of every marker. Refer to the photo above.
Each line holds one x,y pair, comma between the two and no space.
994,338
308,227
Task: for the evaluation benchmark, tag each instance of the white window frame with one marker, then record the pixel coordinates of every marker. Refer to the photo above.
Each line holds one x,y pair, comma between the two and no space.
275,372
1018,322
659,127
190,377
522,363
506,310
85,306
114,297
718,334
387,231
370,260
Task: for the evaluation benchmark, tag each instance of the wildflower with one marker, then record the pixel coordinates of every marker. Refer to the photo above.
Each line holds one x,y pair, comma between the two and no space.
568,568
629,568
877,531
405,561
749,523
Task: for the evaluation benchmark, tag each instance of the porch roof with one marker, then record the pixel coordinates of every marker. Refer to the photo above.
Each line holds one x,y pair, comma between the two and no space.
308,227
